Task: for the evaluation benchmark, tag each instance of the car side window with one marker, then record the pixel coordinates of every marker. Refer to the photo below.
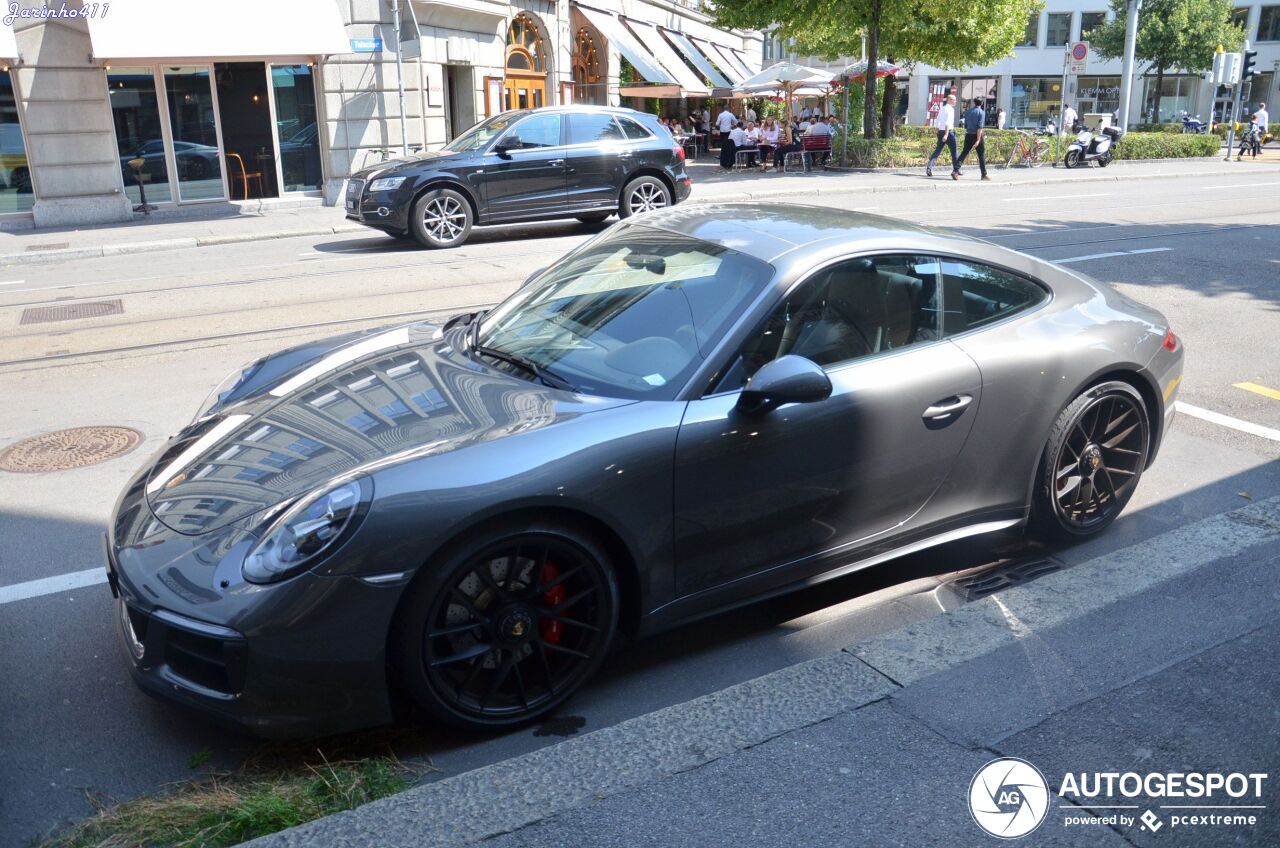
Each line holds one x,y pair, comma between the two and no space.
975,294
592,127
632,130
849,311
541,130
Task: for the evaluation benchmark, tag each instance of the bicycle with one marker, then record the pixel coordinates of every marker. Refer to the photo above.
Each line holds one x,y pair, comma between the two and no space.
1030,150
385,154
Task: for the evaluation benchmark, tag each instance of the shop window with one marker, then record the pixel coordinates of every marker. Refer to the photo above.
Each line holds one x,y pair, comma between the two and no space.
194,129
135,112
16,194
1059,30
297,128
1033,100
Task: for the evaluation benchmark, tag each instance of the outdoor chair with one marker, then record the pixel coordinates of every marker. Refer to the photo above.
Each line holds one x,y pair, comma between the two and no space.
814,149
741,155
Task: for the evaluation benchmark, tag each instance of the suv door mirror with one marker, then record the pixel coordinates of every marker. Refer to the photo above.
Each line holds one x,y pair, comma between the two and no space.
508,142
787,379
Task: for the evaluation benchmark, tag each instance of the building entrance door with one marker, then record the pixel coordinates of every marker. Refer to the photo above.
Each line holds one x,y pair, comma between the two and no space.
245,111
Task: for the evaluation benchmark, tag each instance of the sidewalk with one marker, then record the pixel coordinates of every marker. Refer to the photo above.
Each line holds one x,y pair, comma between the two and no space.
710,184
1155,658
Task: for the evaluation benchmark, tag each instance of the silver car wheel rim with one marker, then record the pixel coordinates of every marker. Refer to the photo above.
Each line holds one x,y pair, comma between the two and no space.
646,197
444,218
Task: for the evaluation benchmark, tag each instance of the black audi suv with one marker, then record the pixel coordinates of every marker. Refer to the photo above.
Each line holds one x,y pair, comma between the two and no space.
584,162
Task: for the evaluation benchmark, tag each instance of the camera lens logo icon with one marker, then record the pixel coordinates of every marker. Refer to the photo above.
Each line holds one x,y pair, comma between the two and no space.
1008,798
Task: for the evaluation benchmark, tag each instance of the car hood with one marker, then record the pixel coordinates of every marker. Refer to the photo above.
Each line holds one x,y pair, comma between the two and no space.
425,158
354,407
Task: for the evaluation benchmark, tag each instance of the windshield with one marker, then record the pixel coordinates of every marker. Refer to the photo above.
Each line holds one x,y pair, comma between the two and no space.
484,132
631,314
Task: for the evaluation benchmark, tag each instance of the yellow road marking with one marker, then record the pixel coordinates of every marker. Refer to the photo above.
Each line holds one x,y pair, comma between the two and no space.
1259,390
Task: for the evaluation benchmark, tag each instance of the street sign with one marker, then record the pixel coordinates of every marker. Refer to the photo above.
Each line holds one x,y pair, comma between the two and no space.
1077,56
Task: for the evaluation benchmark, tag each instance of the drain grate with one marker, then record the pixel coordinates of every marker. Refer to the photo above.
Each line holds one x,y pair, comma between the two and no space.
72,311
65,449
1004,576
57,245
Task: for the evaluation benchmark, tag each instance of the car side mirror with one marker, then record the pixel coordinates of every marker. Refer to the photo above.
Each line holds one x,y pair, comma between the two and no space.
507,143
787,379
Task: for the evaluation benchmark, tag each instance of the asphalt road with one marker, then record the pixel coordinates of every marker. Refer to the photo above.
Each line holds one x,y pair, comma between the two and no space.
1205,251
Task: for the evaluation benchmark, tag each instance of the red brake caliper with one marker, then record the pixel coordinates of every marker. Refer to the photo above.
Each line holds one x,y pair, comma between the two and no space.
553,597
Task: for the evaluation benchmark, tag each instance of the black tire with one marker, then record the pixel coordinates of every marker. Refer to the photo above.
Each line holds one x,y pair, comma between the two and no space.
643,194
593,217
441,218
1104,160
479,645
1092,462
1074,159
402,236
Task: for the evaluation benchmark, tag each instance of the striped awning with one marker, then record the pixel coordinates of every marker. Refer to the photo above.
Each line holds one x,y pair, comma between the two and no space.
657,45
641,59
698,58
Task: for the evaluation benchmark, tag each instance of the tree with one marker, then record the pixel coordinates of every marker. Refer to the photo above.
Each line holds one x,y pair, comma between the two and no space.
945,33
1182,34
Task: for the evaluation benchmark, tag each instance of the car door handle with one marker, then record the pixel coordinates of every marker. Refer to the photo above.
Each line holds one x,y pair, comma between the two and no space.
555,162
947,407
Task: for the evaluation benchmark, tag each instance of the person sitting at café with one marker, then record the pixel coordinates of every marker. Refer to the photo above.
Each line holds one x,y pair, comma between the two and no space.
818,128
787,143
768,141
741,139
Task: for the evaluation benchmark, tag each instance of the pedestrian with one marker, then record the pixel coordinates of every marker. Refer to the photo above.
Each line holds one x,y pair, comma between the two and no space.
1264,119
725,122
974,127
749,114
945,126
1000,119
768,141
1251,138
1069,119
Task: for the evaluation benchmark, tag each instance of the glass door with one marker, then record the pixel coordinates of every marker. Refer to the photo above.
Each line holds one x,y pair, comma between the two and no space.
193,125
293,104
135,112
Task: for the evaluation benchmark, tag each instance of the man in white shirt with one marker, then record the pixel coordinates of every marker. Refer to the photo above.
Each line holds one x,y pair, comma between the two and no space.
804,113
725,121
945,125
1264,117
1069,118
818,128
749,115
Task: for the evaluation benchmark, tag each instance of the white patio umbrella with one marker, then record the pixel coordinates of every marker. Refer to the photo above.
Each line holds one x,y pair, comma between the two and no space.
785,77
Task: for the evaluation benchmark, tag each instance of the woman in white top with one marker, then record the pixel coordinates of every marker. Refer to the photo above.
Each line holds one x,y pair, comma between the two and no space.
767,142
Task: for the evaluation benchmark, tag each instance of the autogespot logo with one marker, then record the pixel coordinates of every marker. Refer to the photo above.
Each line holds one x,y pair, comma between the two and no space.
1008,798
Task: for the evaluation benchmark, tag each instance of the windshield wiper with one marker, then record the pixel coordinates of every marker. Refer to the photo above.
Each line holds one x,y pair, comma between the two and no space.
547,378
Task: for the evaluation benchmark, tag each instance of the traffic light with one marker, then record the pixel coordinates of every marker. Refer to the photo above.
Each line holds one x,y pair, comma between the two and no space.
1246,68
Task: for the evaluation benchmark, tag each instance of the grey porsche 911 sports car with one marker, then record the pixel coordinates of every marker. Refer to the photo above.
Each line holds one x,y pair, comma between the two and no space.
697,408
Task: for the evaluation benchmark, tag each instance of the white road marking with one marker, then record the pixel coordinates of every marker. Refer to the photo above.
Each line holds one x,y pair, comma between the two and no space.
1108,255
12,283
1227,421
1239,185
1054,197
52,585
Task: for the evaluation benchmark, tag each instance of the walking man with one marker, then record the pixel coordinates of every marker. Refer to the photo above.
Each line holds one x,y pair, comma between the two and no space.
945,124
974,127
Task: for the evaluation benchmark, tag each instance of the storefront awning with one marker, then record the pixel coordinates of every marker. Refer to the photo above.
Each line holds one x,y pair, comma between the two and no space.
727,70
736,58
643,61
8,44
138,30
699,60
657,45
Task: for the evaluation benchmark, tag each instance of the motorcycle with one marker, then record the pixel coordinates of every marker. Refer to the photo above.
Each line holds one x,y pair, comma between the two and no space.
1089,147
1194,125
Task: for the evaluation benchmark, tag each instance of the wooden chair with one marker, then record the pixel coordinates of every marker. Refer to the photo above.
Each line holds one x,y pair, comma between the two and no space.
245,175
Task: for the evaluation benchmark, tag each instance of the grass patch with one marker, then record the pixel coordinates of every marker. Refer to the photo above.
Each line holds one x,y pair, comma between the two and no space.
227,809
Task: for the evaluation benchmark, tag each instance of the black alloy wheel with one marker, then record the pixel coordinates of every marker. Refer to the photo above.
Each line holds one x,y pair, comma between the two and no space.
441,218
508,629
1092,463
643,194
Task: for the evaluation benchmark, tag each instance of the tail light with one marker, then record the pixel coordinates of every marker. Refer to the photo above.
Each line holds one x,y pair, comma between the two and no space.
1170,341
679,151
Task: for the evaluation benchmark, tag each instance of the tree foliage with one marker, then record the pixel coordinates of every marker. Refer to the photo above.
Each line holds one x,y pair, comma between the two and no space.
944,33
1172,34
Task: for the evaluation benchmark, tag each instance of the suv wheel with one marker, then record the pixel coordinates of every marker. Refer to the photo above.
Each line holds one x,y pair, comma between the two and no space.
441,218
643,194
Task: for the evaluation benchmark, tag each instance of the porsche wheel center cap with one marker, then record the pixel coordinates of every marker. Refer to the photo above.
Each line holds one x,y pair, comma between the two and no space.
1091,459
515,625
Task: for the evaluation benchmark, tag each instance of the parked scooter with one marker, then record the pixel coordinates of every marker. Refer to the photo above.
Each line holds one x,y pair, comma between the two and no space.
1193,125
1089,147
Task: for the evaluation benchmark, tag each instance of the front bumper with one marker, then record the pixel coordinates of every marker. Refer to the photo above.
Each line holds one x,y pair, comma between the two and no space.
303,657
380,211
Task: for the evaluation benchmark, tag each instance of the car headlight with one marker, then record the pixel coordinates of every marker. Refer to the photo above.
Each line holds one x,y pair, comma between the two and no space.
228,385
305,531
386,183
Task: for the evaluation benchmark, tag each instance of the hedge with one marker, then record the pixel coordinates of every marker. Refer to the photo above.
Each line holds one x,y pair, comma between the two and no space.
912,146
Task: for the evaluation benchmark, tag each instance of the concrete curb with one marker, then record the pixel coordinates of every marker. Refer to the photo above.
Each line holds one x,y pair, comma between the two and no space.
66,254
505,796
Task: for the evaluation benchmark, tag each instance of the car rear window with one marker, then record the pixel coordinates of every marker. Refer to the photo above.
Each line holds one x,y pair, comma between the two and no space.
632,129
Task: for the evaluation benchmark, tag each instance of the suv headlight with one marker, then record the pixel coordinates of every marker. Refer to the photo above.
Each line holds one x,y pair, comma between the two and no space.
386,183
306,530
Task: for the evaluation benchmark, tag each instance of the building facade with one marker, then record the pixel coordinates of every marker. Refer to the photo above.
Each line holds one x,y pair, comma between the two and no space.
180,106
1030,85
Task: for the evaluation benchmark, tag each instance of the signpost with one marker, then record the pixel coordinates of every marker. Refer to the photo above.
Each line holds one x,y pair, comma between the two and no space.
1077,56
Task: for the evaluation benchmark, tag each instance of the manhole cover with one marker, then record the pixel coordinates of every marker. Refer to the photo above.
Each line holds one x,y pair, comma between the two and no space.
64,449
71,312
